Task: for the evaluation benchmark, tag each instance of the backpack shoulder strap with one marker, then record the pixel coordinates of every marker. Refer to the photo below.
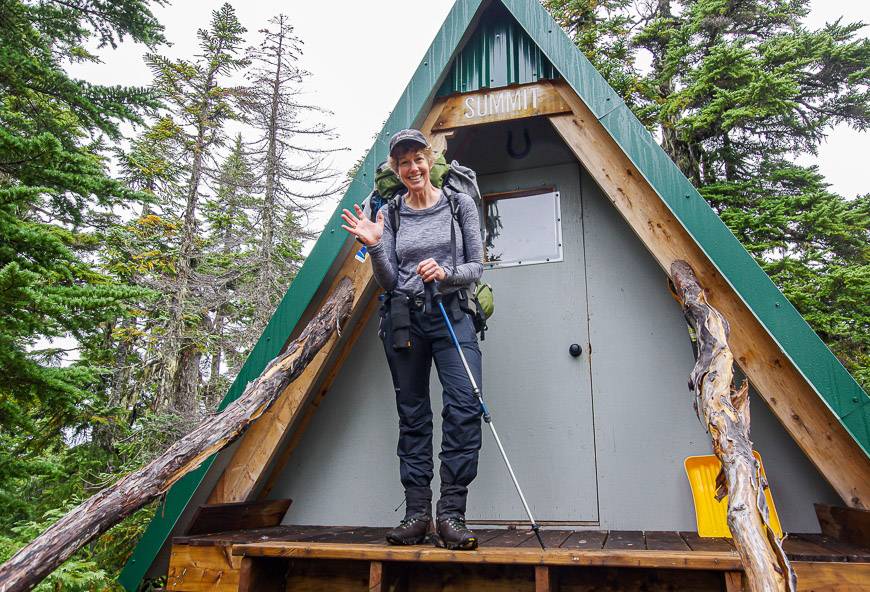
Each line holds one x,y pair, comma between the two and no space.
393,205
454,219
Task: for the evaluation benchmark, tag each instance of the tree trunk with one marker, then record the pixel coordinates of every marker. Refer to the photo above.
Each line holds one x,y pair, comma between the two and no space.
102,511
267,215
725,414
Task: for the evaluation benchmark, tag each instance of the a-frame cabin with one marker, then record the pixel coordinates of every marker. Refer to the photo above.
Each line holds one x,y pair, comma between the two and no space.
585,213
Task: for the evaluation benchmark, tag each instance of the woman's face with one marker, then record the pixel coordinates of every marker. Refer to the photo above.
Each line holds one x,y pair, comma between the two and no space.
414,170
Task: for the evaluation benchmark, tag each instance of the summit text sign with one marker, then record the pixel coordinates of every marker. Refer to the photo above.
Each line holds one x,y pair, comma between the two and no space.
492,105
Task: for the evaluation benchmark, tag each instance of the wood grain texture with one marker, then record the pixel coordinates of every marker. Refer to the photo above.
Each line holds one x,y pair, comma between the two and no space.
111,505
503,104
192,569
545,579
858,554
734,581
724,411
790,397
493,555
212,518
376,576
833,577
850,525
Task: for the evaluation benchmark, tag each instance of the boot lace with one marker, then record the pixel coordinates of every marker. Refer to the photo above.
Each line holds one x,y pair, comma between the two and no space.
405,522
456,523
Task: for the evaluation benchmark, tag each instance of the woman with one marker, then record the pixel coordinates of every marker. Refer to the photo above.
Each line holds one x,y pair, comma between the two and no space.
420,251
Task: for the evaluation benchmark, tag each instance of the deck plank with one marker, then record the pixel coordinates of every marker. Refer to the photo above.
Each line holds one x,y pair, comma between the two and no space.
800,549
352,535
848,550
511,538
487,534
625,539
659,540
289,533
585,539
553,539
714,544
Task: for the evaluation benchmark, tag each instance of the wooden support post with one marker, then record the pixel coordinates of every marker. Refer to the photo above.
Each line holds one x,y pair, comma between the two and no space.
108,507
733,581
376,576
725,414
545,579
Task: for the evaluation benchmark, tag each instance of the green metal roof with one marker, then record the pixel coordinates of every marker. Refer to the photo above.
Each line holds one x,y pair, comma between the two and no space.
499,53
554,50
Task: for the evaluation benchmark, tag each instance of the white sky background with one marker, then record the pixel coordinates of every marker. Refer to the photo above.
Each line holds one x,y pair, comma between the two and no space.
362,54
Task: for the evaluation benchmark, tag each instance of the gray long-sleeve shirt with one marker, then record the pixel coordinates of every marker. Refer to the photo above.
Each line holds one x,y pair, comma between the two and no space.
423,234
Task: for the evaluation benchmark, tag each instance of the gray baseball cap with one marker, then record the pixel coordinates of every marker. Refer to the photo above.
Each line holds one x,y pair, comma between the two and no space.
407,135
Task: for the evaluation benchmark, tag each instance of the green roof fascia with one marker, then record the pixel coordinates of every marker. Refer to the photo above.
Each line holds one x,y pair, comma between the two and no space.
812,358
408,112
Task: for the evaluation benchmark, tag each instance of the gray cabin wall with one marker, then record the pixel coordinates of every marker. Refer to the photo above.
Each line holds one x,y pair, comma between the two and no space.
645,424
345,470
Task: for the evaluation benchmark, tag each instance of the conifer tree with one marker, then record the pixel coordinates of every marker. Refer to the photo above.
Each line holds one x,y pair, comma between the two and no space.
290,156
199,103
231,263
55,191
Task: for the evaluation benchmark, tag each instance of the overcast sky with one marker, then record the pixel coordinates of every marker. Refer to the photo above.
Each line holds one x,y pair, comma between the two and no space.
362,54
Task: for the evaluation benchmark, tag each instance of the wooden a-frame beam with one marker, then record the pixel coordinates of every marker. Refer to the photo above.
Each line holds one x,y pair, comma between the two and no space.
261,443
791,398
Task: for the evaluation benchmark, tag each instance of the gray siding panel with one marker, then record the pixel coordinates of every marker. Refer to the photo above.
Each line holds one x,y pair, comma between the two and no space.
645,423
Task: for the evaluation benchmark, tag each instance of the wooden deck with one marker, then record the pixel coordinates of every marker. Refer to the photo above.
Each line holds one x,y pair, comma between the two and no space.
357,558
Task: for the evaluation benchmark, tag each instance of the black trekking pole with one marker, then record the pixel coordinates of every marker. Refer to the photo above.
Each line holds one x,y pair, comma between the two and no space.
430,299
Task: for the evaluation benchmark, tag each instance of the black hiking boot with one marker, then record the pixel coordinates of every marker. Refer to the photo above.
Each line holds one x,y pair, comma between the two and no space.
453,534
410,531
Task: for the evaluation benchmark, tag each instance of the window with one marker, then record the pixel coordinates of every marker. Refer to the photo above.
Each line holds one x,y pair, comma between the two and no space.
522,227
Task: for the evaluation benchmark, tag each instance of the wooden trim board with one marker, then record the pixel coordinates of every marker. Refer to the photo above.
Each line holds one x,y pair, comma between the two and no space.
213,518
202,568
792,399
492,105
496,555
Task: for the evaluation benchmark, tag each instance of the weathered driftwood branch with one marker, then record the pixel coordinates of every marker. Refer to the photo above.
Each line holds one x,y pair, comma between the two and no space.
102,511
725,413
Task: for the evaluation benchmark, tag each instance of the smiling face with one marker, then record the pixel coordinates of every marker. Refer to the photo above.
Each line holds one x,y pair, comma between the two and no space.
413,169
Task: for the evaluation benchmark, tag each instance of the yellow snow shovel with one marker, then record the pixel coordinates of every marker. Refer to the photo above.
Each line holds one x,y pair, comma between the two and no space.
711,515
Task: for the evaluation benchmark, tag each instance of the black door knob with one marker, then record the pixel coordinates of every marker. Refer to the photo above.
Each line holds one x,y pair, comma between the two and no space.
575,350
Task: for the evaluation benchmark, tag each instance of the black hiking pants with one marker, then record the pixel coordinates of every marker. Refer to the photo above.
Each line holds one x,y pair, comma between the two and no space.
461,413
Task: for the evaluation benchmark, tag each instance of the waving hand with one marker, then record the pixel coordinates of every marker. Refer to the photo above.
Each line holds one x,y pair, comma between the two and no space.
361,227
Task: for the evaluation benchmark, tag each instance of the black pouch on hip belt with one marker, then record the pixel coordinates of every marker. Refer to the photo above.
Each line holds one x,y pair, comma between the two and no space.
400,322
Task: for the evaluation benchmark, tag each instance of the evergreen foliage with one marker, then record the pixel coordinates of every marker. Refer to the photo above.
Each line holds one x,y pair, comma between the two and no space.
736,91
128,297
